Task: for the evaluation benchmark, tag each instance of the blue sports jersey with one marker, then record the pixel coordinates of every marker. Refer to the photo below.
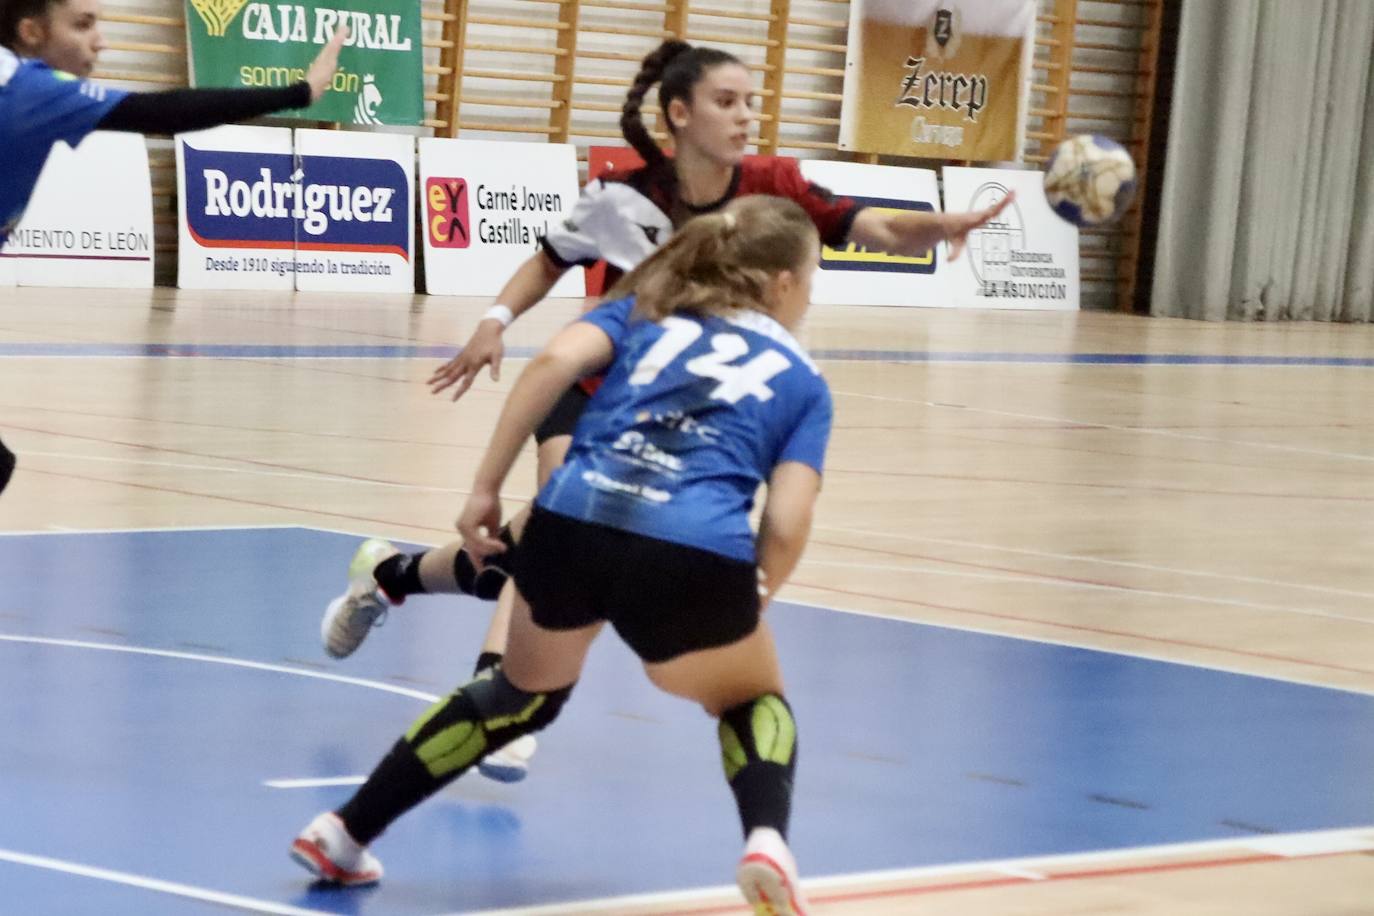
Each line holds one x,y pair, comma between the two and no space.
38,107
694,414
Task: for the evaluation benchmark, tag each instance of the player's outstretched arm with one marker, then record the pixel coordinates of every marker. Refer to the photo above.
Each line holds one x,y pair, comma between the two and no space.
181,110
530,283
915,232
577,350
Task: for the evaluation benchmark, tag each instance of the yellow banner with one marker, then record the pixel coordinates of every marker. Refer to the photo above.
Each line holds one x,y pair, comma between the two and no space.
937,79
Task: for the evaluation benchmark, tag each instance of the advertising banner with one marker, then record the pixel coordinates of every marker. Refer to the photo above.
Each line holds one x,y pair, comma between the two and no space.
938,79
236,201
1027,258
323,210
356,225
855,276
90,221
380,77
485,206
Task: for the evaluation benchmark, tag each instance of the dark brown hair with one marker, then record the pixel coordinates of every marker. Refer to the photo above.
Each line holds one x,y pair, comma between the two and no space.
677,67
12,11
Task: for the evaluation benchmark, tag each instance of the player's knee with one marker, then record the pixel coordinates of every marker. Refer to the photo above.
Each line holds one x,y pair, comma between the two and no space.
486,583
504,706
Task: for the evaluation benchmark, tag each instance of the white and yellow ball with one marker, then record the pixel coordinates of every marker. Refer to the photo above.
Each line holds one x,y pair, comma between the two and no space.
1090,180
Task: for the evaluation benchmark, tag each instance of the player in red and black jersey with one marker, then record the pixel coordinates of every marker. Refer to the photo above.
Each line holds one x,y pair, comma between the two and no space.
708,104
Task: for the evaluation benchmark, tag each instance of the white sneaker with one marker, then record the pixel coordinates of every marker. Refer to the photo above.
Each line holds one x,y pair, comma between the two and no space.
352,615
767,875
325,849
511,763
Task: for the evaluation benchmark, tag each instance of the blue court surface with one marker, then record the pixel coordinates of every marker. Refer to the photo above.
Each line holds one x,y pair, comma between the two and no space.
919,745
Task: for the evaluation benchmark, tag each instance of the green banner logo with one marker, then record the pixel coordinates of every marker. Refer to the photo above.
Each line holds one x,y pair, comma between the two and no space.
380,77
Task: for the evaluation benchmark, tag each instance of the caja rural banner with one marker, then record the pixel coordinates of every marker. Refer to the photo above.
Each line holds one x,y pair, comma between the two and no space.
1027,258
852,275
938,79
485,205
380,77
325,210
90,221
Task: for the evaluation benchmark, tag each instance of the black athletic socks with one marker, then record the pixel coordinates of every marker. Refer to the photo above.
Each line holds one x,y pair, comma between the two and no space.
758,744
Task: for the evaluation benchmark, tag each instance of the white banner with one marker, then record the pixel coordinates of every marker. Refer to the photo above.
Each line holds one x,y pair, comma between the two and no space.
1027,258
485,205
356,231
323,210
90,221
233,186
855,276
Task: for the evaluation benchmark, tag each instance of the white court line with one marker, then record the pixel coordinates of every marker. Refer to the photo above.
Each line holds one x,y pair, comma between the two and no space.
1079,558
1091,647
1293,845
1095,424
221,660
1001,634
1046,579
314,783
155,884
963,628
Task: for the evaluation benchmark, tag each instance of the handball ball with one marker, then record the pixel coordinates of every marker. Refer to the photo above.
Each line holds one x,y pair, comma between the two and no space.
1090,180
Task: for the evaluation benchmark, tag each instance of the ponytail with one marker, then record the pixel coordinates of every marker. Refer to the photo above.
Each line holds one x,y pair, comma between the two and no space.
722,262
677,67
631,121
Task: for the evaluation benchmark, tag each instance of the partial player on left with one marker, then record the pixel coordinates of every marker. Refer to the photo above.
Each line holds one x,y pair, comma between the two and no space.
48,48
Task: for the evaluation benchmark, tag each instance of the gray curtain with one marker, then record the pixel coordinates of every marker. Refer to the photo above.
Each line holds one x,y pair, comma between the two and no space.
1268,199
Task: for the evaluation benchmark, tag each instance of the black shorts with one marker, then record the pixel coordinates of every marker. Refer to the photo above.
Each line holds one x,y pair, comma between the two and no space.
664,599
562,420
6,466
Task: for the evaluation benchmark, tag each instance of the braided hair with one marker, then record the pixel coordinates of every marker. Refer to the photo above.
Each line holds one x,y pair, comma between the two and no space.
677,67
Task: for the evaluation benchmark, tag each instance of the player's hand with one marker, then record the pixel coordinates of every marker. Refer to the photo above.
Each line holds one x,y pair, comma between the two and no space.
478,524
321,73
484,348
959,225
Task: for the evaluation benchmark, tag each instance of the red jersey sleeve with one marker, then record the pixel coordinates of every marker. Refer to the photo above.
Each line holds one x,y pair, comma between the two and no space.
782,177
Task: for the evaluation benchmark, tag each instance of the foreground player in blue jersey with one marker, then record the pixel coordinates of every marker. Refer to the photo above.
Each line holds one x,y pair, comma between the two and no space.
646,526
47,48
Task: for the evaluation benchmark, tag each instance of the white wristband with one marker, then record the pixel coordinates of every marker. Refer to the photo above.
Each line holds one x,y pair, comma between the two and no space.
501,313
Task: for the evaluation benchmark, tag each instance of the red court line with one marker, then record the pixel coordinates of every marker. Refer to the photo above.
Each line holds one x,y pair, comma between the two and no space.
985,883
449,532
1032,574
316,434
187,453
1101,631
970,478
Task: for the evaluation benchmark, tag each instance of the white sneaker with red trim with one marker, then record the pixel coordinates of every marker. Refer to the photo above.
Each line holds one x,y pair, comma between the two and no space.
325,849
767,875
